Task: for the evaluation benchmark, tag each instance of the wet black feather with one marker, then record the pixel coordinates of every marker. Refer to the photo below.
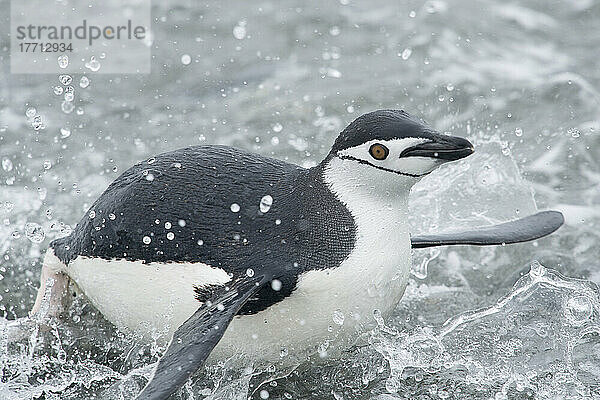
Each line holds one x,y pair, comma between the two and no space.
306,227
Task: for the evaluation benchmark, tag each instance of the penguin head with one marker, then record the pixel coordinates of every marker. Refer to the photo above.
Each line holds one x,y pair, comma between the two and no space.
393,143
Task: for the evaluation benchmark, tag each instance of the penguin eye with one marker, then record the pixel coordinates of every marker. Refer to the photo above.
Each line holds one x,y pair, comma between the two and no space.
379,151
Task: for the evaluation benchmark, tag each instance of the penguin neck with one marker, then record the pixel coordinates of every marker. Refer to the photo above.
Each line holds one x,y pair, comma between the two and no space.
375,273
366,193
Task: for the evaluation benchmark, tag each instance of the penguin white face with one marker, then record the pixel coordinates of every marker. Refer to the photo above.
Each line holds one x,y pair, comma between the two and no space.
394,143
388,155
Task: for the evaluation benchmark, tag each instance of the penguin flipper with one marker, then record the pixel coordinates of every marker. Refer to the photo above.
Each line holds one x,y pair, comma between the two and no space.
195,339
520,230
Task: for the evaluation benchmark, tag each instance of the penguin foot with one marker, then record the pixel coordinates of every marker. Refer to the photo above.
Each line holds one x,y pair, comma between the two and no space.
51,300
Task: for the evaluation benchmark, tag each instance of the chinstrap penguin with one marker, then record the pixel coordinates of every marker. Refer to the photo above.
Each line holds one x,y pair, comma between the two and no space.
219,248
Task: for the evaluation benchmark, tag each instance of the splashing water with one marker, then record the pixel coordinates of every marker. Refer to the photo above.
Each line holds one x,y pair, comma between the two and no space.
532,340
508,76
34,232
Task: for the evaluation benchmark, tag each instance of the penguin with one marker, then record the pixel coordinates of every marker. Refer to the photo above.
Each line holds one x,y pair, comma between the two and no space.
223,251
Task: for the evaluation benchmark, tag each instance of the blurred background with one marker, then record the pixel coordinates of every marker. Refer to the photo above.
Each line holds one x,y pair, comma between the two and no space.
519,78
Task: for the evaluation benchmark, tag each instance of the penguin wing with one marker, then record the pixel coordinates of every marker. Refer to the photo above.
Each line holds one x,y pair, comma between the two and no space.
195,339
520,230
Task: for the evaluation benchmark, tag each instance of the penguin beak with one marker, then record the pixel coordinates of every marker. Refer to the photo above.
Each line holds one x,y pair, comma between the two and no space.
441,147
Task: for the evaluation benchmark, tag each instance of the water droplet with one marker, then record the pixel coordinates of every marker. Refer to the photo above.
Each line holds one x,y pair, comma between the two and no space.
36,123
518,132
334,30
34,232
235,207
338,317
406,53
276,285
146,240
63,61
264,394
84,82
92,214
112,216
7,165
250,272
168,225
578,310
170,236
265,203
277,127
200,242
67,107
30,113
149,177
449,87
65,79
186,59
93,64
69,96
58,90
65,132
574,132
277,222
181,222
239,31
47,164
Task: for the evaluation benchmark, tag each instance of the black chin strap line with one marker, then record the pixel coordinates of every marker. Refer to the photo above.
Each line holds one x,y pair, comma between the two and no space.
381,168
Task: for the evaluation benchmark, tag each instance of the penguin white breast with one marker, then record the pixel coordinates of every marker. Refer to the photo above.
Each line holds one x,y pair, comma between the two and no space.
330,306
150,300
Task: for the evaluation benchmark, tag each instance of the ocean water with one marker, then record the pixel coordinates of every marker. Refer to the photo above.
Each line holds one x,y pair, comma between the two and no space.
521,79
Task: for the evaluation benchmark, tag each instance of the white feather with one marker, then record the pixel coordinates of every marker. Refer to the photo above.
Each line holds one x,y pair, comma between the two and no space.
150,300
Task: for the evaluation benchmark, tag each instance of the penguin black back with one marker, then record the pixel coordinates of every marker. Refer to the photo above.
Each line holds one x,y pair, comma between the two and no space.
182,206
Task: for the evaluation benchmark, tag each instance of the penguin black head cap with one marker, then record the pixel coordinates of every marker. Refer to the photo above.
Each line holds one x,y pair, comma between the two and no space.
395,141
